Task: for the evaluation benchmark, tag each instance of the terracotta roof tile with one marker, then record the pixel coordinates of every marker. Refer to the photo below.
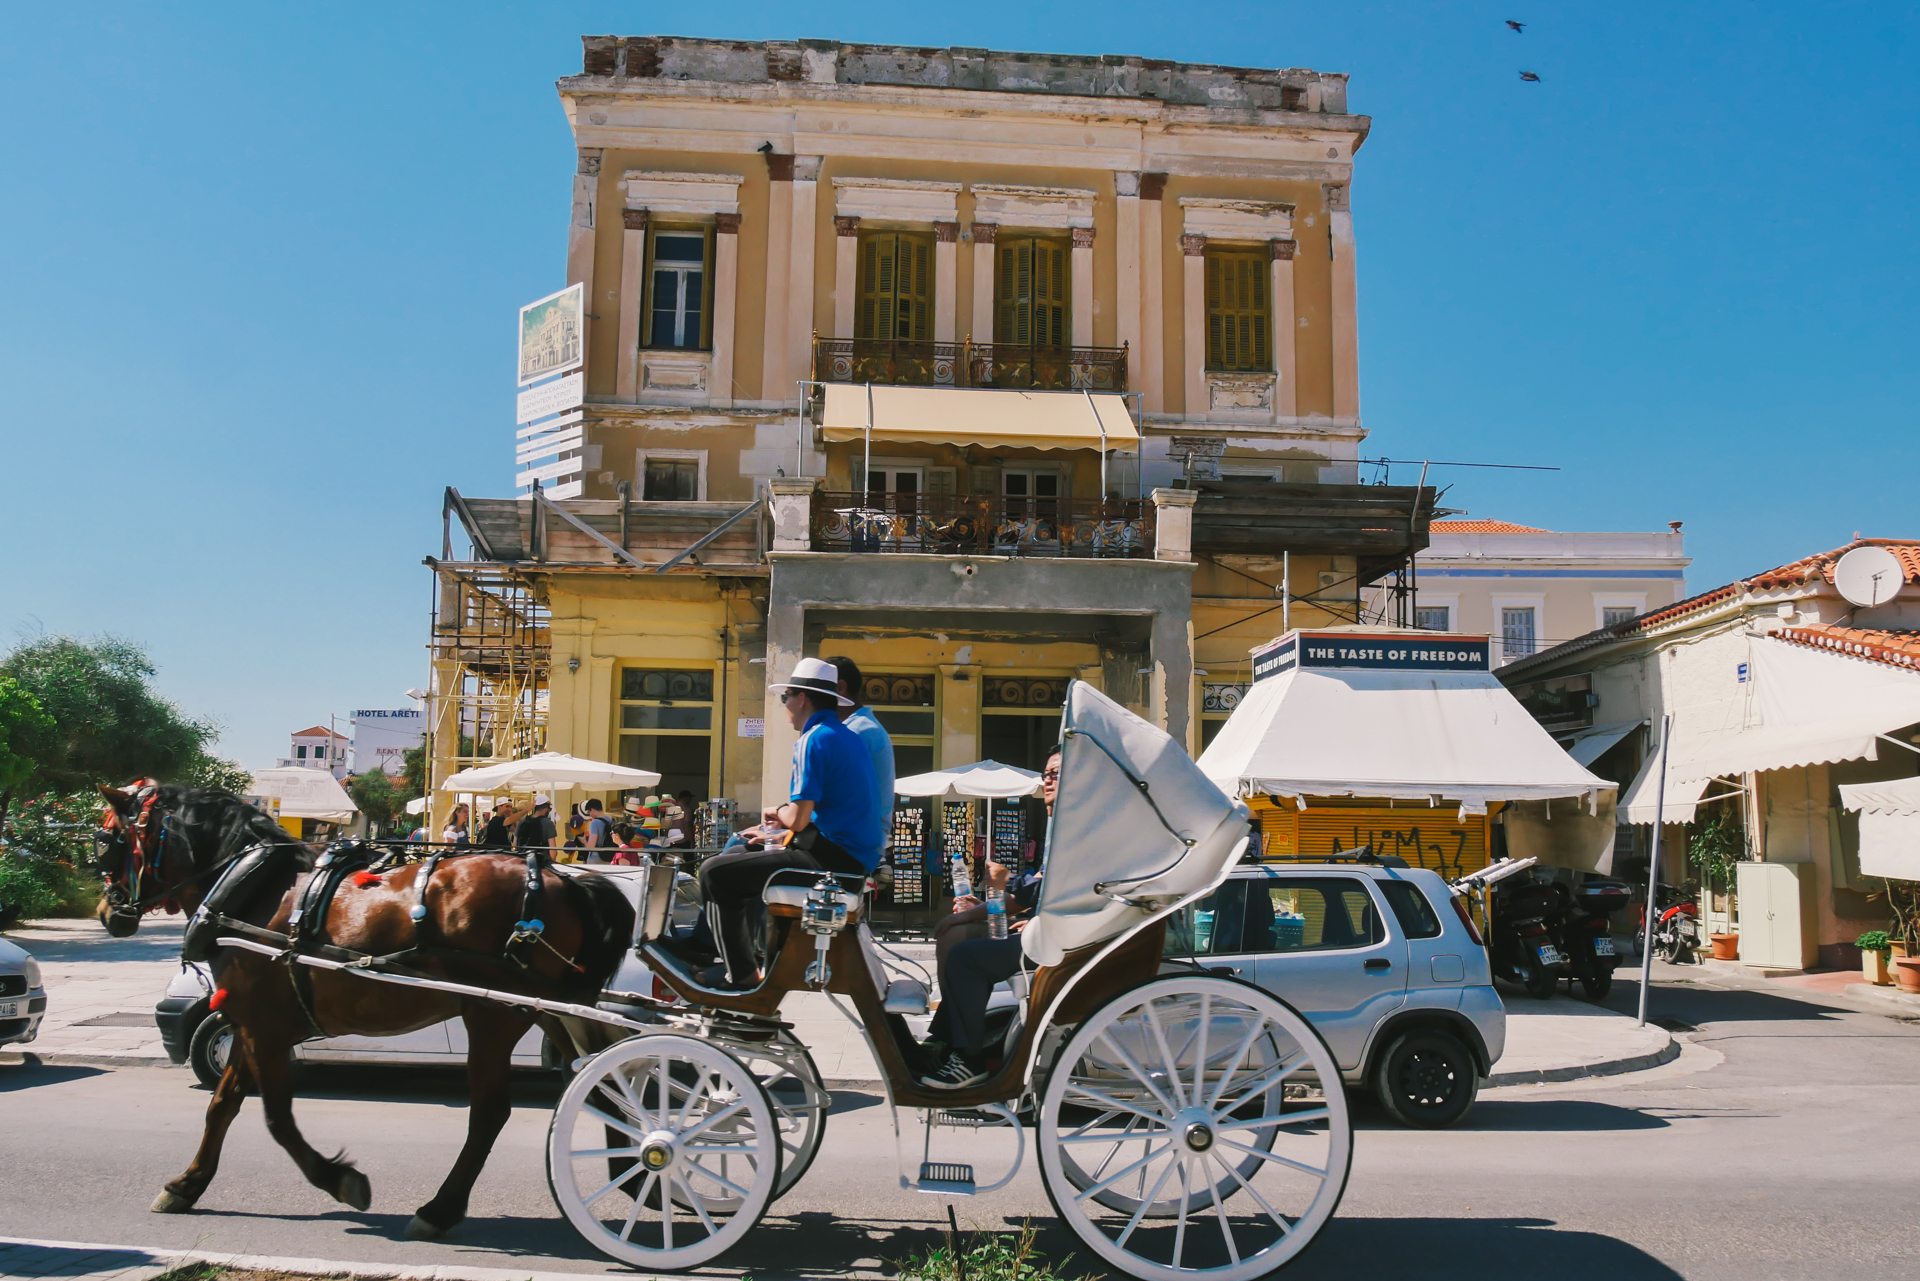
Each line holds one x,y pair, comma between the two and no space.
317,731
1812,568
1897,649
1483,527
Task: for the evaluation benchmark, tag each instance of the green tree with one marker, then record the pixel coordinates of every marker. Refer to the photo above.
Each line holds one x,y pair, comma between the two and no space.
375,796
208,770
109,724
26,735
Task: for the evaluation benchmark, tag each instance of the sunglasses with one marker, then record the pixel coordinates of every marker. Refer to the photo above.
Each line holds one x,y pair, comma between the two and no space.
787,696
1051,776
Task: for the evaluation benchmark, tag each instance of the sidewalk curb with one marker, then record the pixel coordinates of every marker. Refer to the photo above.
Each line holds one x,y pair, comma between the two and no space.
1581,1071
1891,1001
60,1059
166,1260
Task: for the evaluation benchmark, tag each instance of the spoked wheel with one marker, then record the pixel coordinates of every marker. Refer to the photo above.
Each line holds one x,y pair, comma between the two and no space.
1195,1127
800,1102
692,1162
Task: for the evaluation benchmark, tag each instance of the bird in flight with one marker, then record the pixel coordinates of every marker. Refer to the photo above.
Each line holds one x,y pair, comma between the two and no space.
1531,77
1518,27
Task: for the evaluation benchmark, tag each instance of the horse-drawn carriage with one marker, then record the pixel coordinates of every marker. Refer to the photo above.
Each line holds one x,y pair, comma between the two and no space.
1187,1123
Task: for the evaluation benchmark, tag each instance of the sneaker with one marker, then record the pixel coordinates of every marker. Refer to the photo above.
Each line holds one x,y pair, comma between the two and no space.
928,1056
715,980
955,1074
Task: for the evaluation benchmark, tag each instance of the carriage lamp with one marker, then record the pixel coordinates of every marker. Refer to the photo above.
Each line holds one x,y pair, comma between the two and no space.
823,916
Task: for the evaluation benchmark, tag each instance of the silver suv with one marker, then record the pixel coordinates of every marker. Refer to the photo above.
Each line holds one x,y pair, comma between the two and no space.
1378,958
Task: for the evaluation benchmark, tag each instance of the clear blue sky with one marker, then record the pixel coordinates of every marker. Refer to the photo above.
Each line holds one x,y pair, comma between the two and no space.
260,265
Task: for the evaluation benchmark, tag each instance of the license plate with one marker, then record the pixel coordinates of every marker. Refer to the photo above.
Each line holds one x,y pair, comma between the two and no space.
1549,955
9,1009
1603,947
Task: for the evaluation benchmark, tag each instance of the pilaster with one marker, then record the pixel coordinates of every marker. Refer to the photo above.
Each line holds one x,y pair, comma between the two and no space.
946,279
983,234
1193,360
726,304
1345,302
1082,271
1126,244
773,359
800,326
633,277
1153,298
580,233
1286,330
959,714
846,261
1173,524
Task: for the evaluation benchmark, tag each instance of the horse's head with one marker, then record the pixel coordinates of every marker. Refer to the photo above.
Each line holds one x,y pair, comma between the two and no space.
130,854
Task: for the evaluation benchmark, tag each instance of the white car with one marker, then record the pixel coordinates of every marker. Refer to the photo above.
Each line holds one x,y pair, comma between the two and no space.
23,995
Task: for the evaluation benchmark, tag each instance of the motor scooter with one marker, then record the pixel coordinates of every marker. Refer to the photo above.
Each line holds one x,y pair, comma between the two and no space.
1520,944
1676,928
1584,933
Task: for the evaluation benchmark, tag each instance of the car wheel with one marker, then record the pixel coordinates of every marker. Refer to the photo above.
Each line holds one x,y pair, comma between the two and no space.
210,1050
1427,1080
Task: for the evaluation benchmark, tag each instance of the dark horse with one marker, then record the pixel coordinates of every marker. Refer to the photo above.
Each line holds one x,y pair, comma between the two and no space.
178,840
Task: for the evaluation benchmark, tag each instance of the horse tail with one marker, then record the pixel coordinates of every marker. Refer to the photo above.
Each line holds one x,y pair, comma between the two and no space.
606,928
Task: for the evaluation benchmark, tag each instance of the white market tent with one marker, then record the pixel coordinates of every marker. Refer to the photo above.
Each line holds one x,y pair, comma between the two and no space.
1889,826
306,793
1431,736
547,771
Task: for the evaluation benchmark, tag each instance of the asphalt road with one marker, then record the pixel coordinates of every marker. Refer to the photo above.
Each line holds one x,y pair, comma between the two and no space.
1781,1144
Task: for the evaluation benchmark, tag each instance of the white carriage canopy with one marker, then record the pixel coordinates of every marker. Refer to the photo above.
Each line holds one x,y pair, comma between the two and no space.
1889,826
1177,835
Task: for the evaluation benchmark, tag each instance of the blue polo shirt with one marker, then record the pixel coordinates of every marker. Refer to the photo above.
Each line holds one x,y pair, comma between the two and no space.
832,769
862,721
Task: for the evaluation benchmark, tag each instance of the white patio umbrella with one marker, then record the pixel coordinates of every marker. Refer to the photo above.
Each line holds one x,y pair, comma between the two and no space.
555,770
982,780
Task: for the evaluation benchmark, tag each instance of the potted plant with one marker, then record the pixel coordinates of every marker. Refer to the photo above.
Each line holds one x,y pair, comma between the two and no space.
1875,952
1903,904
1716,844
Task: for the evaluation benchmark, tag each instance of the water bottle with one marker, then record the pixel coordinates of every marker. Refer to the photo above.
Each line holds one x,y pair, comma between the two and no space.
996,914
962,879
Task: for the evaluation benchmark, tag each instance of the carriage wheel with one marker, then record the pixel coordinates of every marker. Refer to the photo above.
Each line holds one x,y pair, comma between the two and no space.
1195,1127
694,1162
800,1102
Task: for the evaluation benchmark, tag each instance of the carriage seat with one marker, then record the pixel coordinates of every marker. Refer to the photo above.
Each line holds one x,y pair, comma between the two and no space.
787,900
907,996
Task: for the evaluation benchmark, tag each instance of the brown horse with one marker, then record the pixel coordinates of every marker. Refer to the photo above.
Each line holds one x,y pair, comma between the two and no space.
473,902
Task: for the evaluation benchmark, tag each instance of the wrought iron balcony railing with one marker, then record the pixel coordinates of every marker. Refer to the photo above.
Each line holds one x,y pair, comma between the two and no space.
969,364
946,524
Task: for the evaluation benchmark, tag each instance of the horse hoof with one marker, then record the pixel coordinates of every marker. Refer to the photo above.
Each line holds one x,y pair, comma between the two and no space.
170,1203
353,1189
421,1230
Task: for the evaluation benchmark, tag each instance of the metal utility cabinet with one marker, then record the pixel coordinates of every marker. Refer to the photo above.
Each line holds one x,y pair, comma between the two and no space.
1777,927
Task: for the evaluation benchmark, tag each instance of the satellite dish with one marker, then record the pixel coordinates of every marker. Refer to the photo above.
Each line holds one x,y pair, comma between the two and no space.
1869,576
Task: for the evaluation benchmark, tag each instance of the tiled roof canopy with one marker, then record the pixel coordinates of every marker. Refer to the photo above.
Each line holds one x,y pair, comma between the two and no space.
1810,569
1483,527
1899,649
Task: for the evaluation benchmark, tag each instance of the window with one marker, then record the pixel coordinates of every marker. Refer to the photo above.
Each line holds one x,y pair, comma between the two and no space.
1293,915
299,753
677,290
1611,614
1516,632
666,725
895,288
1411,909
1239,317
1030,294
671,480
1433,618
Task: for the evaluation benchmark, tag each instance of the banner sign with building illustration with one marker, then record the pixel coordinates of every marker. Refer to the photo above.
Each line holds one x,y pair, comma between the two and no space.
1394,652
550,444
551,332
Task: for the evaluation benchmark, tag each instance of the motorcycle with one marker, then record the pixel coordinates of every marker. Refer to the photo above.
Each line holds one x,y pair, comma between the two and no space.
1676,928
1520,944
1582,930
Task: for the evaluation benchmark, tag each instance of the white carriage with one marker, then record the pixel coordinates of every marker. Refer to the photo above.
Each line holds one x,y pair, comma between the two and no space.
1188,1125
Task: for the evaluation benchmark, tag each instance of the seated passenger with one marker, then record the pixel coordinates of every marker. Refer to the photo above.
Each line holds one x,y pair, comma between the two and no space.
973,968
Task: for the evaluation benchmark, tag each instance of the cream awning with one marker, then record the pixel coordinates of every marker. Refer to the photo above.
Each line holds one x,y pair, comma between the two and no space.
1642,795
978,416
1591,743
1889,826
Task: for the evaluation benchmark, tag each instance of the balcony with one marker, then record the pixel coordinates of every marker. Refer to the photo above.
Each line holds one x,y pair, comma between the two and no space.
969,364
947,524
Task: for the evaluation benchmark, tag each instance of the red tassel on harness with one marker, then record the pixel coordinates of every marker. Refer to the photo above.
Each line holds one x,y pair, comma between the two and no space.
219,998
364,879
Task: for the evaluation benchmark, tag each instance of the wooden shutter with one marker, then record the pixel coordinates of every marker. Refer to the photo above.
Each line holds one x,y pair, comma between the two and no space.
879,271
1031,294
940,480
1239,319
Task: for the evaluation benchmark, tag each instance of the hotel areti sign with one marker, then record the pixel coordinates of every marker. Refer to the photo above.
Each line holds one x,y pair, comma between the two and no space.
1362,651
552,354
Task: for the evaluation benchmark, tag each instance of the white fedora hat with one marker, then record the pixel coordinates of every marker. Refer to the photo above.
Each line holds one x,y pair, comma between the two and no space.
816,676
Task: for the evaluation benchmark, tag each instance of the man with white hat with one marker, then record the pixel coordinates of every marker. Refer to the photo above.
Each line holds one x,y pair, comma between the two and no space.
829,825
536,830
